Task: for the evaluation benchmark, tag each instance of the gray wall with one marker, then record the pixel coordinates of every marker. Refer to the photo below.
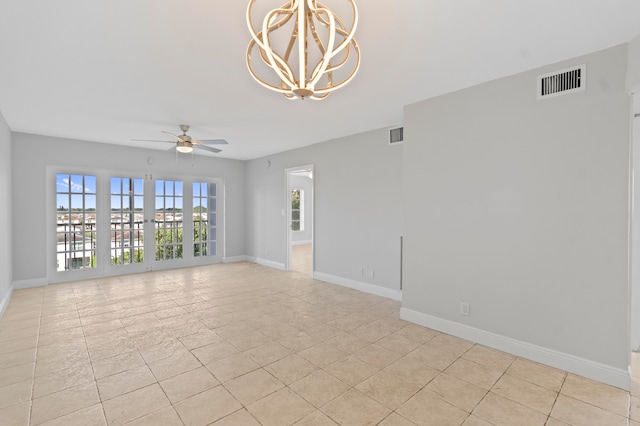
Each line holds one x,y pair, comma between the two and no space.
635,229
32,154
358,206
306,184
633,85
6,270
520,207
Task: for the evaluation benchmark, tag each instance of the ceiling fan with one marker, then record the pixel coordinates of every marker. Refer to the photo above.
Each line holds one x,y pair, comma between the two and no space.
185,144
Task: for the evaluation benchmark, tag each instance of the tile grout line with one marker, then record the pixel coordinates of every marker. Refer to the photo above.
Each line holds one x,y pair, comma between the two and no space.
557,397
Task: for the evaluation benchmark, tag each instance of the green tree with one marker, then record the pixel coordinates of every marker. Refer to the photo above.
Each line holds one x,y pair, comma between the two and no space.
200,236
168,244
138,257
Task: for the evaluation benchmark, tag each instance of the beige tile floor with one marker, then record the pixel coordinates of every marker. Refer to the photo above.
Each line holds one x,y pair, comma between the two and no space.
240,344
302,259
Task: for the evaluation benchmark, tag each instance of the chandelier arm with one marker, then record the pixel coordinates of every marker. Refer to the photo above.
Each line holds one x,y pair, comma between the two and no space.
319,97
319,43
261,39
348,34
347,55
255,75
281,64
323,51
287,14
302,46
349,78
292,41
326,58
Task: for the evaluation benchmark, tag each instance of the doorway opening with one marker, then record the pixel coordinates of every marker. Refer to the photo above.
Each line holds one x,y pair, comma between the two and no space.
300,212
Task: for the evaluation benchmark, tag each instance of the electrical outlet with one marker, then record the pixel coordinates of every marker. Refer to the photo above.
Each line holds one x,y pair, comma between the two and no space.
372,273
362,272
465,309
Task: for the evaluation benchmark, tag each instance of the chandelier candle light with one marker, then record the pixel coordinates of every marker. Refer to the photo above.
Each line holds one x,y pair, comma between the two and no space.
327,55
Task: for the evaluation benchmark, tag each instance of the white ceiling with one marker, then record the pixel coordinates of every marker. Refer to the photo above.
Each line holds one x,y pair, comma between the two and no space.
112,70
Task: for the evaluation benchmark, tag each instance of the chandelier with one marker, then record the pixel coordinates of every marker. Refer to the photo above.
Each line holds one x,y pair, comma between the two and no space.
311,55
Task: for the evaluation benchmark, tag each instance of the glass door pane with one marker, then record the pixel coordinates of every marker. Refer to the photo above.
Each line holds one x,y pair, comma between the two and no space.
75,222
168,219
204,219
127,221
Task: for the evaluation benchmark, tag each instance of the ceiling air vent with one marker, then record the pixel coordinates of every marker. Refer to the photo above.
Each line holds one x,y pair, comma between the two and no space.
562,82
396,135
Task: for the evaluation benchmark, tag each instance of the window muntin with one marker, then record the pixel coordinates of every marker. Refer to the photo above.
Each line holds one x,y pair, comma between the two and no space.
204,219
127,220
75,221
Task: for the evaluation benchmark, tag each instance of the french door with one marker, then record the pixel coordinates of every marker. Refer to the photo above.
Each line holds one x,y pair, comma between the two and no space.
122,223
163,223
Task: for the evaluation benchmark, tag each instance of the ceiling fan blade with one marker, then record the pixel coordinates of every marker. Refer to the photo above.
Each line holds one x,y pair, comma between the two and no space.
212,141
178,138
150,140
207,148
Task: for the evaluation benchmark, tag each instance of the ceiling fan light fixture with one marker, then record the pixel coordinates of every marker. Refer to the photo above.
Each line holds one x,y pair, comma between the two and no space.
184,147
318,57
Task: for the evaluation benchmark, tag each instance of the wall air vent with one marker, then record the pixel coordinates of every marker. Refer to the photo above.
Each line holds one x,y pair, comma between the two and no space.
562,82
396,135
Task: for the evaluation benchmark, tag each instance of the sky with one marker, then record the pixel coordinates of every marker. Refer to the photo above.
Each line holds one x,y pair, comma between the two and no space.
168,194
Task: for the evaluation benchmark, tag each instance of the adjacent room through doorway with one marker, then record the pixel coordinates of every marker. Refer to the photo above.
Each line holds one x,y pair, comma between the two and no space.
301,216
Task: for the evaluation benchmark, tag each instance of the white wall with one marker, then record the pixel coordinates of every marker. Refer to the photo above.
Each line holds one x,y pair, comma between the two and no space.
6,270
633,85
635,228
304,183
358,207
32,154
520,207
633,67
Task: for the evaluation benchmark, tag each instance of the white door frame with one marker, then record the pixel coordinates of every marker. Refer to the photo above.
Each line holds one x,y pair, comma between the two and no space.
287,209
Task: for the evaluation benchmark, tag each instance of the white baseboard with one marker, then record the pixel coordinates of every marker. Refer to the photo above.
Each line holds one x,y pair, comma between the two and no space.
36,282
389,293
583,367
5,301
267,263
234,259
301,242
